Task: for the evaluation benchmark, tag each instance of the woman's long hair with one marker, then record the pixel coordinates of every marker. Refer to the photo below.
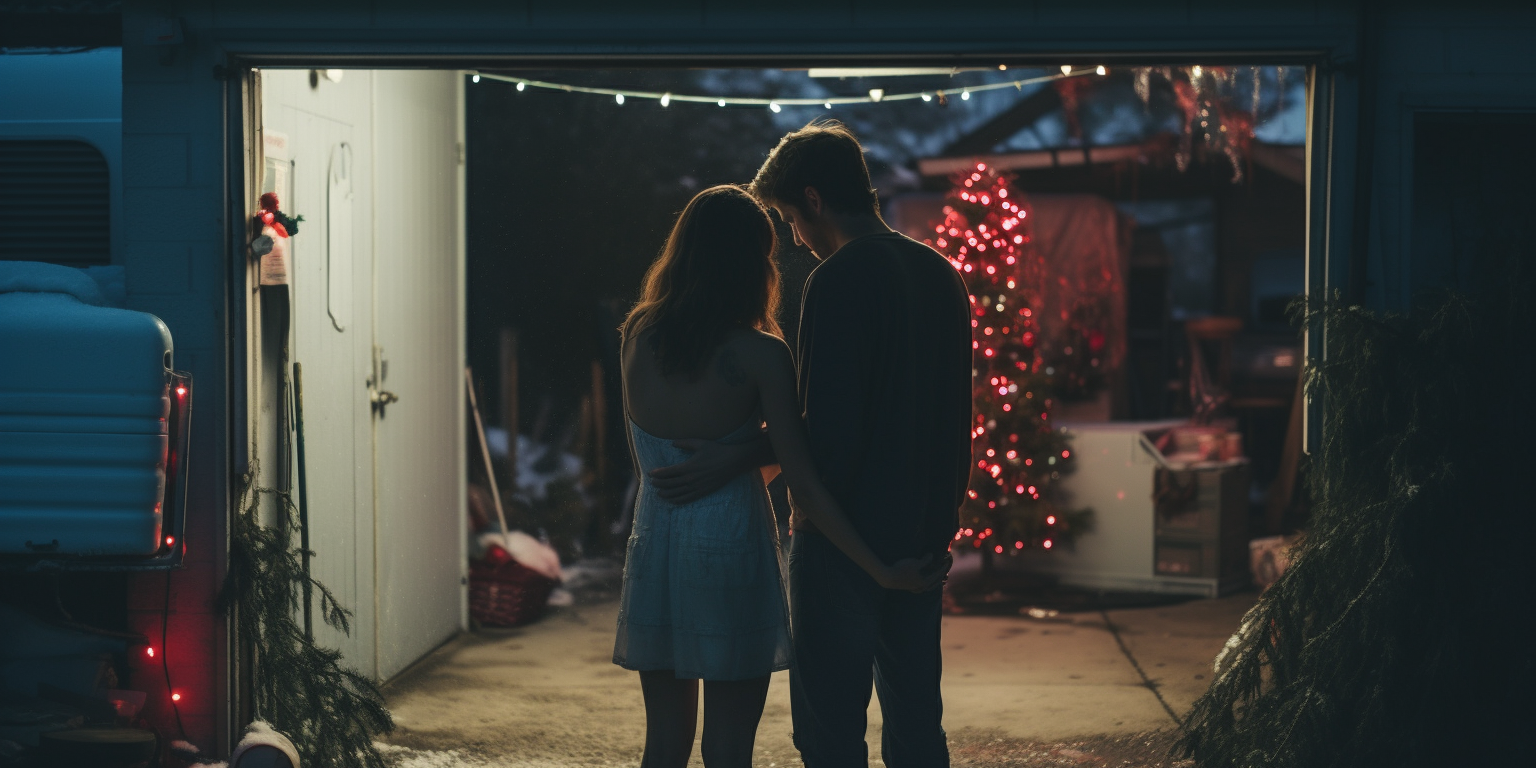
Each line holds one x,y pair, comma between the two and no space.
715,274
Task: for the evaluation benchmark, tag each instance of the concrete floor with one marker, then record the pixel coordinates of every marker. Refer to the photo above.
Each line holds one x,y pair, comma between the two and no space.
548,694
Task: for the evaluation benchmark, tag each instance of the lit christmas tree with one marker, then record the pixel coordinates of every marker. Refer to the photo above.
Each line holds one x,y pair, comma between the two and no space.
1018,456
1073,354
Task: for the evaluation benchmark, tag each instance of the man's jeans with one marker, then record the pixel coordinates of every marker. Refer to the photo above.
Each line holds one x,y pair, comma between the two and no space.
849,633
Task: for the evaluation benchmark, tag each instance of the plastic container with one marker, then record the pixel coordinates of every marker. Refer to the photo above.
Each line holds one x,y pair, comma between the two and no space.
86,421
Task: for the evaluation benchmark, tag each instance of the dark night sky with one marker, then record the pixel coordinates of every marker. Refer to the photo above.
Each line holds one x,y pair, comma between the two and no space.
570,196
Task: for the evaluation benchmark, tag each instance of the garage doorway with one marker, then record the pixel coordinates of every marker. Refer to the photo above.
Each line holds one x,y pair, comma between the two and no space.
376,160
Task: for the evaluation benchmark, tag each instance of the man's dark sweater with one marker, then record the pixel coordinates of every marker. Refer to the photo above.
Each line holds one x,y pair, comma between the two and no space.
884,357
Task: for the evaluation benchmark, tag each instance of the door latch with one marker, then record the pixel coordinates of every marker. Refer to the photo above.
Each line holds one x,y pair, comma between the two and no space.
378,397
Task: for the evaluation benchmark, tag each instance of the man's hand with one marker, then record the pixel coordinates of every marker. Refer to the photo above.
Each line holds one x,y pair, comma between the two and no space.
941,566
916,574
707,470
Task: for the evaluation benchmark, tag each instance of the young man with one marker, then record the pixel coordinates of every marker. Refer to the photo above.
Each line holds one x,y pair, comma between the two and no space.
884,359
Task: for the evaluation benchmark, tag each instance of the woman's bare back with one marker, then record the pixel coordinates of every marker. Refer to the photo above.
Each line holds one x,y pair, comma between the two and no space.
710,405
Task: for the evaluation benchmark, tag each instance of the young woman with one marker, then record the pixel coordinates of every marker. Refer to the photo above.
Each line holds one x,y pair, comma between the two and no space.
704,595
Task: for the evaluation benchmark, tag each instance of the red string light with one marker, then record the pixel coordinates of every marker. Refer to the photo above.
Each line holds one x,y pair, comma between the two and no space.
165,667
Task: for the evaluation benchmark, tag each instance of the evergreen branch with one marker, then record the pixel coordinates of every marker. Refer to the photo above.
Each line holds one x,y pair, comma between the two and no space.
1352,603
1419,509
330,712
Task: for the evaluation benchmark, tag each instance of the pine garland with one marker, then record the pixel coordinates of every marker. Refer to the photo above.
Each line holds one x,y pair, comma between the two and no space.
1401,634
331,713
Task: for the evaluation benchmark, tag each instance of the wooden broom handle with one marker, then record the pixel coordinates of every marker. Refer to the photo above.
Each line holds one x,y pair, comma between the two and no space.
485,450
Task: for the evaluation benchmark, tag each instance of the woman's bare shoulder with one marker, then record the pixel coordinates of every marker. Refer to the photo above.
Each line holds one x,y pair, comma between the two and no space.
629,336
757,350
754,342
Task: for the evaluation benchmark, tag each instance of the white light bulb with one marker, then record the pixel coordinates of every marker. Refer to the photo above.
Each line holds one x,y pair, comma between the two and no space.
1101,70
876,94
927,97
666,98
965,95
521,86
1196,70
1066,69
774,105
721,102
827,105
618,98
1002,67
475,79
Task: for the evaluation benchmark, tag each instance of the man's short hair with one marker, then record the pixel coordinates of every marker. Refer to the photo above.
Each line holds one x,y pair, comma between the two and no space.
825,155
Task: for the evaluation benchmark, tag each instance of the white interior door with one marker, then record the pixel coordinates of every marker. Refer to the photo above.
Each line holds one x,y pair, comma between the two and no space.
418,328
323,125
377,307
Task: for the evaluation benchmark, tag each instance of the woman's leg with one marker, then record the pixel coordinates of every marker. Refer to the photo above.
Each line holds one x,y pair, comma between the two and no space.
671,718
732,710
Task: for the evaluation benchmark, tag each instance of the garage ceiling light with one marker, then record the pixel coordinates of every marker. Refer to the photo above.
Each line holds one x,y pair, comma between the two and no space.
892,71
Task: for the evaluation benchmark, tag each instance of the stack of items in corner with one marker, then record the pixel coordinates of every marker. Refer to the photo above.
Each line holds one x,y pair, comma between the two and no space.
511,574
1201,497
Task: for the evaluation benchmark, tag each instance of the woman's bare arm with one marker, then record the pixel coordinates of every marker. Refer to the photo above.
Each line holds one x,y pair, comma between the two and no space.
771,365
709,466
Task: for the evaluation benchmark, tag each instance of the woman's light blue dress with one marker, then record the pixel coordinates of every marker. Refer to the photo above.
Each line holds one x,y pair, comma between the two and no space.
704,582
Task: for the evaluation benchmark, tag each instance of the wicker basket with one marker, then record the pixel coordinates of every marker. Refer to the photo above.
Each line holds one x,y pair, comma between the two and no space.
508,594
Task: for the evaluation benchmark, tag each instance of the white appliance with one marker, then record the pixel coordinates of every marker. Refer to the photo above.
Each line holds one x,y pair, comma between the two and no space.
1115,476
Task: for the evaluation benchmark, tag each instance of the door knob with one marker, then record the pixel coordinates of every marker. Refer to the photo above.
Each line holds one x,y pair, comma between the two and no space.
381,398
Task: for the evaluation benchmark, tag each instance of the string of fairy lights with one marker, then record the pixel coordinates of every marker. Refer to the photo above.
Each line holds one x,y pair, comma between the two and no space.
875,95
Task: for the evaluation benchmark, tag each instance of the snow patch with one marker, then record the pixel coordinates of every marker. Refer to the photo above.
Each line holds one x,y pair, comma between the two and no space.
405,757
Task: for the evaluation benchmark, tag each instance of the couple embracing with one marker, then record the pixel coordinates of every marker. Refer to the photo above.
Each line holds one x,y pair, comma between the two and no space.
869,420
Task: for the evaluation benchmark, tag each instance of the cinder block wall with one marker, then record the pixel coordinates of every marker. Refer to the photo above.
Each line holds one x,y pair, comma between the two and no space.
1435,57
1460,56
177,264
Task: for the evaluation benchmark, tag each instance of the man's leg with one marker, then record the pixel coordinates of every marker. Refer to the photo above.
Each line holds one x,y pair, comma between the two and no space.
833,615
908,665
